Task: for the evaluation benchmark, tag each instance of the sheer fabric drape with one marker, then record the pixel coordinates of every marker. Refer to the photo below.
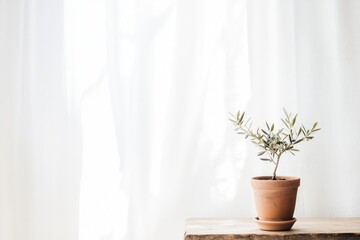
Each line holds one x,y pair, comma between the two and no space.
40,131
113,114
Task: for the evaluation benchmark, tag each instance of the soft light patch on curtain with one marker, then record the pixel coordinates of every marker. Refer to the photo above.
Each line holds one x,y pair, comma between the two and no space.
102,205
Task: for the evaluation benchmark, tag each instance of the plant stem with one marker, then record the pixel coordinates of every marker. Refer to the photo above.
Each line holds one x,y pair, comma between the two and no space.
277,164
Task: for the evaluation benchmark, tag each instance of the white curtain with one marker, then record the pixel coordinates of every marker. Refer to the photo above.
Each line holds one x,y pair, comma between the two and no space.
40,131
113,114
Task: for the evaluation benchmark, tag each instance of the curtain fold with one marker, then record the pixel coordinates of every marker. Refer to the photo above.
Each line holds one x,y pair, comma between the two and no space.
113,114
40,154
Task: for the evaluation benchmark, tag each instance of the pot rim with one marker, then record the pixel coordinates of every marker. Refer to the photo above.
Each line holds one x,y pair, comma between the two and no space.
265,181
268,178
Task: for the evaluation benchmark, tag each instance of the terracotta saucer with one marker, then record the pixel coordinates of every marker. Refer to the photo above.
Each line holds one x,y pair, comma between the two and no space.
275,225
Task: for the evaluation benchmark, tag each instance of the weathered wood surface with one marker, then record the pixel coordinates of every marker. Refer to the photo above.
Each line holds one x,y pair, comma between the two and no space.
246,228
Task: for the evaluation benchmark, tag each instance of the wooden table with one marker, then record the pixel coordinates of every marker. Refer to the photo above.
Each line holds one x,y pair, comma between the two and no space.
246,228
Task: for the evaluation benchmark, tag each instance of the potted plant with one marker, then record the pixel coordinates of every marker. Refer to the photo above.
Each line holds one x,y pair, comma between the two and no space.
275,196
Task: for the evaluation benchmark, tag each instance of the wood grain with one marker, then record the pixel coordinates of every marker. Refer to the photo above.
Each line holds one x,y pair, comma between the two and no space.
246,228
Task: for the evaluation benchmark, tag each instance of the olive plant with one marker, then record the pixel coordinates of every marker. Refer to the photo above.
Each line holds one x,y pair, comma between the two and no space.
273,143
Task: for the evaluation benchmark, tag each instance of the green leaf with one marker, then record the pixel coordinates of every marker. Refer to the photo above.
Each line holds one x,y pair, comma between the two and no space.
232,120
238,114
232,115
286,113
285,123
296,142
303,130
299,131
264,132
242,116
294,120
265,159
248,121
294,149
267,125
314,126
272,127
261,153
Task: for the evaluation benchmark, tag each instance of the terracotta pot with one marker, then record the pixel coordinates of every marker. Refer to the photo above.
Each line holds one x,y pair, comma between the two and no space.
275,199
